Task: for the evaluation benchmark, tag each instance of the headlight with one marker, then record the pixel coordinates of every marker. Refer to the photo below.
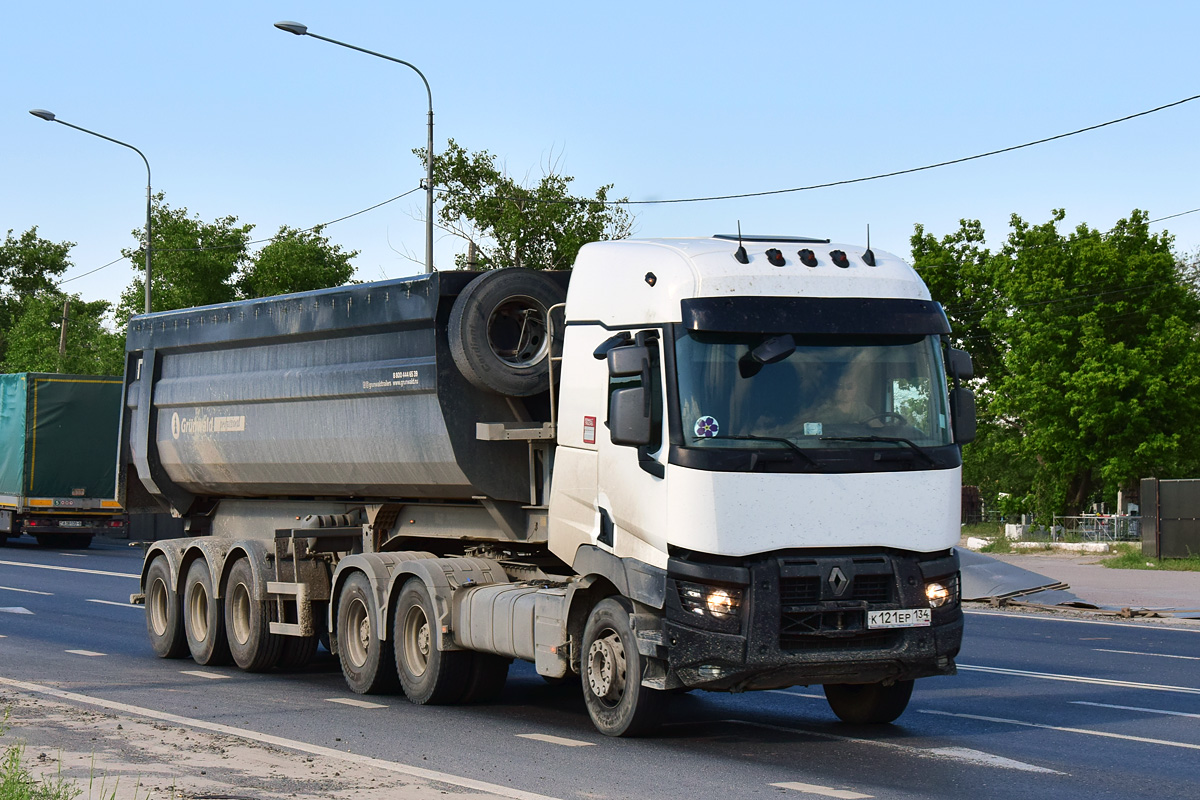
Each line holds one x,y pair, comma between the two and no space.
938,594
716,602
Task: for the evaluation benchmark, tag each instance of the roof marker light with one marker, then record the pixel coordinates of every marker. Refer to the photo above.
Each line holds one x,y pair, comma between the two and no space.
839,258
776,258
807,257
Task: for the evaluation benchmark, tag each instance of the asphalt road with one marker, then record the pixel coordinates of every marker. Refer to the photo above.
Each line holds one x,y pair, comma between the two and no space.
1043,706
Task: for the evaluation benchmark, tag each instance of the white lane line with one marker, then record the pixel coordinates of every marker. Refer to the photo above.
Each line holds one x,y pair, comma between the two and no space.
953,753
279,741
797,694
26,591
1047,618
73,555
988,759
212,676
1136,653
1050,676
1084,731
823,791
72,569
545,737
88,653
15,610
1135,708
350,701
2,636
115,603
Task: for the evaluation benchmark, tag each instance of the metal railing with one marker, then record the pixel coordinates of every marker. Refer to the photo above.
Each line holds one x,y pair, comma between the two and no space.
1096,528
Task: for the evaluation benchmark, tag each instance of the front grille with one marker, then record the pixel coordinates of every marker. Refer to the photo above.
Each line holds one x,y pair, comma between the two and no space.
804,590
873,588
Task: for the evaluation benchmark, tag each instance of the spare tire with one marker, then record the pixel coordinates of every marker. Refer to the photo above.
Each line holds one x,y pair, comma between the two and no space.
499,331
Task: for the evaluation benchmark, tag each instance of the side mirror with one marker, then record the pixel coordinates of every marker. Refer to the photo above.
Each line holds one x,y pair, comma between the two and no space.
626,362
628,417
959,364
962,415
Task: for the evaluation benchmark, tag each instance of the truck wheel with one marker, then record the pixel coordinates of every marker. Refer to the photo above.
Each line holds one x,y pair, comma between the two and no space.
429,676
366,658
248,622
164,622
868,703
203,617
499,331
486,680
611,668
297,652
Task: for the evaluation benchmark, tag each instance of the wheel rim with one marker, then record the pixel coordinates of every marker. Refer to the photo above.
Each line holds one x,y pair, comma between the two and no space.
239,600
606,668
517,332
157,600
358,628
416,643
198,612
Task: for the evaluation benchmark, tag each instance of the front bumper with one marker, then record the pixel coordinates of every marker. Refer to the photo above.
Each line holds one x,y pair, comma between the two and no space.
803,620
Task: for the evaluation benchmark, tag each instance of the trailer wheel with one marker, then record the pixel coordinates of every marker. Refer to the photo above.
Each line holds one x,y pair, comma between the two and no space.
429,676
204,618
868,703
248,622
164,620
611,668
499,331
486,680
366,658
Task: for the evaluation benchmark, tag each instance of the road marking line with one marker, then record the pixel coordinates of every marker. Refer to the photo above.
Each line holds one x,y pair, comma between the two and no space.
1136,653
823,791
954,753
88,653
1045,618
73,555
115,603
545,737
349,701
2,636
15,610
26,591
797,694
1050,676
1135,708
72,569
988,759
279,741
1084,731
212,676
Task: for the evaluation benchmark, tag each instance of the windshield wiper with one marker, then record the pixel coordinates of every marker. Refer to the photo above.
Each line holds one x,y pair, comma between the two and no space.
794,447
893,439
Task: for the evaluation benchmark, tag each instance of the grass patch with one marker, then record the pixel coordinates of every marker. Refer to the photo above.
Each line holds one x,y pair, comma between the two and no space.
999,545
18,783
984,530
1129,556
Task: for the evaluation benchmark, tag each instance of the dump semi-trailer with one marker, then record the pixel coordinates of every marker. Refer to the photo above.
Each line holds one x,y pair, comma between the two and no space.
58,434
687,464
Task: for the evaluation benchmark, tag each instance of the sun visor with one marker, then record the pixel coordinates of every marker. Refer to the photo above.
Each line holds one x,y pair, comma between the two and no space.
814,315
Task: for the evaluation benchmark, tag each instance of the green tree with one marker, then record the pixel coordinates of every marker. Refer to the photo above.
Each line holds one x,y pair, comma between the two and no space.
296,261
540,227
28,264
1096,381
90,347
193,262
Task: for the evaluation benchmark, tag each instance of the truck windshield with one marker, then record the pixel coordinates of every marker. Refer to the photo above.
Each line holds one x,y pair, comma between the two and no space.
827,392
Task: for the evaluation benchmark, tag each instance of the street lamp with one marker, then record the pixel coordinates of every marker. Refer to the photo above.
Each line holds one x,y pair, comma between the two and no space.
302,30
41,113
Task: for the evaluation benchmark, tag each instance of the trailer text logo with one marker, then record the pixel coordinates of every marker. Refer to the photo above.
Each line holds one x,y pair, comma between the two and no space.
202,424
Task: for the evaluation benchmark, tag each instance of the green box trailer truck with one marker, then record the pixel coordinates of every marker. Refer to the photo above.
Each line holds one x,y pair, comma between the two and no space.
58,440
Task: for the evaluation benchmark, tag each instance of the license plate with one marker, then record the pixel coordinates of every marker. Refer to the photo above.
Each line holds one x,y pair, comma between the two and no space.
71,523
900,618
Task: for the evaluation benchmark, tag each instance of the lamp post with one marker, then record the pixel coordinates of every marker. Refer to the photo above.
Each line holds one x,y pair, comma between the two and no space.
302,30
49,117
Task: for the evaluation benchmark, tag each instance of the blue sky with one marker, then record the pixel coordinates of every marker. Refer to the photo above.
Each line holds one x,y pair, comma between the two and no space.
664,100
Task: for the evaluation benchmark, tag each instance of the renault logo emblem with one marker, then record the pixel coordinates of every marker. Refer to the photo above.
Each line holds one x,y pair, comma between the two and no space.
838,581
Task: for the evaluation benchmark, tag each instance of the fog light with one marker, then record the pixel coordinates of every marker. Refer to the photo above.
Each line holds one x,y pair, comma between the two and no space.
938,594
720,602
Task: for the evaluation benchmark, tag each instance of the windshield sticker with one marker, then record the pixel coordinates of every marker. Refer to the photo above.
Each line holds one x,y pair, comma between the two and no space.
812,429
707,427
